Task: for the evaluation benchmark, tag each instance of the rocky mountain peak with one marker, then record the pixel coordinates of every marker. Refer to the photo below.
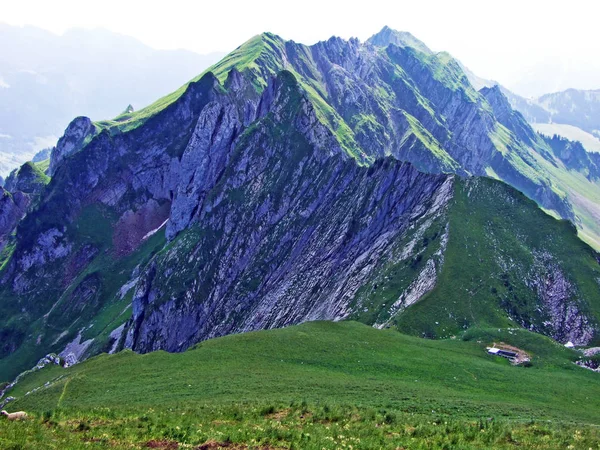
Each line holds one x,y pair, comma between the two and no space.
508,117
389,36
497,100
495,96
77,134
28,179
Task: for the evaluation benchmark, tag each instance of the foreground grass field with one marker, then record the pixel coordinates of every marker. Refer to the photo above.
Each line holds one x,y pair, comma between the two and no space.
317,385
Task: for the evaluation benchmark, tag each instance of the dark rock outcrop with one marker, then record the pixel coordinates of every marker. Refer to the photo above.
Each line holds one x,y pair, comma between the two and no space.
12,209
317,225
28,179
77,134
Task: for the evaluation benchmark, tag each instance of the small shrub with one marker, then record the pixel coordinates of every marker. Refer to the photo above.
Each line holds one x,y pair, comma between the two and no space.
47,416
83,426
267,410
389,418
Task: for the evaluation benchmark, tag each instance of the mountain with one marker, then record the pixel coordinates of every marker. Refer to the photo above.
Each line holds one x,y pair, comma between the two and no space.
402,39
529,108
570,132
540,115
426,137
552,73
47,79
575,107
287,183
570,114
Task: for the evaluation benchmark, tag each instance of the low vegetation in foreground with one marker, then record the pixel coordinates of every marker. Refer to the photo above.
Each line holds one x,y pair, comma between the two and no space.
281,426
317,385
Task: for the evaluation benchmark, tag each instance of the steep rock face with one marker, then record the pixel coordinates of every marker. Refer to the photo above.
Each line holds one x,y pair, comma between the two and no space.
28,179
208,151
328,239
393,96
84,222
125,172
405,101
565,319
12,209
133,227
77,134
317,226
511,119
470,142
382,107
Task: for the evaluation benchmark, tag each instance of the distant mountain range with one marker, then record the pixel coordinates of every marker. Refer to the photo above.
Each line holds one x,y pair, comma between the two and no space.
47,79
574,107
555,74
573,113
286,183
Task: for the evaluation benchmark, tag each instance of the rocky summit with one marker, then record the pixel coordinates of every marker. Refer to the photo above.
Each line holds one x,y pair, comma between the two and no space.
289,183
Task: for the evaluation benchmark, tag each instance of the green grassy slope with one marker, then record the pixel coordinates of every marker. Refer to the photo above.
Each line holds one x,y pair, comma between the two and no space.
584,195
495,235
322,378
254,57
43,165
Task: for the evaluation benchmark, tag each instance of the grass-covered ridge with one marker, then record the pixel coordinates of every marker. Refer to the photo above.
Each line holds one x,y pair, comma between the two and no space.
29,178
446,161
303,386
500,242
447,70
43,165
254,57
265,55
406,81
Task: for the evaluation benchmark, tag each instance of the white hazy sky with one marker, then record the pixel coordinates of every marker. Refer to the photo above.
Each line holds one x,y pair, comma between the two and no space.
513,41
